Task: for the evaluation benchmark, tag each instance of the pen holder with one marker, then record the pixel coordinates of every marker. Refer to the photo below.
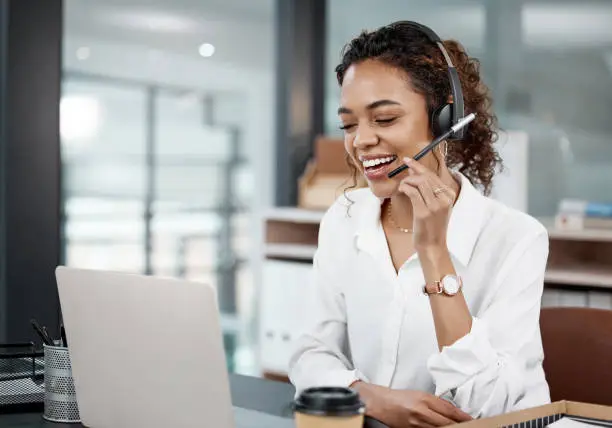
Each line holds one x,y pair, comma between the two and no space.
60,395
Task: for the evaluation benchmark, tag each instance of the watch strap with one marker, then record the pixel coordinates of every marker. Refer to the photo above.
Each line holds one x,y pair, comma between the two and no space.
433,288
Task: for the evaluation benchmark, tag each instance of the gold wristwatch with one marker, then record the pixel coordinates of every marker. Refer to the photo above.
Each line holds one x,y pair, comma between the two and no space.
449,285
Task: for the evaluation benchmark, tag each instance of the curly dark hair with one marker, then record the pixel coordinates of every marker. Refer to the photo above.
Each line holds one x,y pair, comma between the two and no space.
403,46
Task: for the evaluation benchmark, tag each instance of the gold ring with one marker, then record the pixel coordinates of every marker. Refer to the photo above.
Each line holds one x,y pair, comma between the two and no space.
438,190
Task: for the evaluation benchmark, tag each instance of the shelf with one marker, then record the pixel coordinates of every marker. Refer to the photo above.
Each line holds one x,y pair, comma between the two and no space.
294,215
290,251
572,273
591,276
600,235
298,215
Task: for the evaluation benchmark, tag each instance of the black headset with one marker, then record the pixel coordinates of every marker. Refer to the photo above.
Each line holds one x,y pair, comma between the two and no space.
447,114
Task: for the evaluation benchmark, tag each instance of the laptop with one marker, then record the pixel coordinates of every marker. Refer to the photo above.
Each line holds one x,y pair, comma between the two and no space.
148,352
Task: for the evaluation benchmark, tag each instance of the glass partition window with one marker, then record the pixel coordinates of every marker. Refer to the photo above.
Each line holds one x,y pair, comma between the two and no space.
103,154
158,98
194,164
549,66
152,186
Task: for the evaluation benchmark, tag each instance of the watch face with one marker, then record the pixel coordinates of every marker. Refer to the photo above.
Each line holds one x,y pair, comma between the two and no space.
451,284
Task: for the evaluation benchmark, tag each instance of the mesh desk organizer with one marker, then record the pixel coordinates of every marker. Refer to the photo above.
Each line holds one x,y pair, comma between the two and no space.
21,376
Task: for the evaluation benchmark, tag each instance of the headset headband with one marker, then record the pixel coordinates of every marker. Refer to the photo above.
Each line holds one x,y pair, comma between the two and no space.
453,76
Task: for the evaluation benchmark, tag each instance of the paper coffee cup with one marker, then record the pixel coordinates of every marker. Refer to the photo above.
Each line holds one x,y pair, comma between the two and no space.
329,407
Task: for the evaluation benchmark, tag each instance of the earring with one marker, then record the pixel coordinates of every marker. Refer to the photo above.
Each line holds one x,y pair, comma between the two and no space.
444,151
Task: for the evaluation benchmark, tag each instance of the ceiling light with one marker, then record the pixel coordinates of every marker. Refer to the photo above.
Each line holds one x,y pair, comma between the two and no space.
79,118
83,53
206,50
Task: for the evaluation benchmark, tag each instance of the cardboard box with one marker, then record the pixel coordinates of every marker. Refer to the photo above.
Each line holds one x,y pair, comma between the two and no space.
326,175
543,415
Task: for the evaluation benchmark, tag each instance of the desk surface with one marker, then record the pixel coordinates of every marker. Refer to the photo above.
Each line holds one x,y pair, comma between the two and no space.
248,392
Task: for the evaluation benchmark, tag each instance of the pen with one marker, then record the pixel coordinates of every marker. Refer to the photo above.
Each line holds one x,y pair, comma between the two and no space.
45,338
456,127
63,334
44,329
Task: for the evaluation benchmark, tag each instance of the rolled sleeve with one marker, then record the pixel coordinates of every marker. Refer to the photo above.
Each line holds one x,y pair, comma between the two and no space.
323,371
343,377
497,366
466,358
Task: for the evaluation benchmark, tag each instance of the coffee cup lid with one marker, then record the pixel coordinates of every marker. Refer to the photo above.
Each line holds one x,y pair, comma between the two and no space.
336,401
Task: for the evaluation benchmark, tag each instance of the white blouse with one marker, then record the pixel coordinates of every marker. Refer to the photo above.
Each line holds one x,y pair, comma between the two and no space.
370,323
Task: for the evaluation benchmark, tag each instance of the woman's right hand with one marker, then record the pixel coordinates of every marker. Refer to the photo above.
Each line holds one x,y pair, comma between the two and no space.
407,409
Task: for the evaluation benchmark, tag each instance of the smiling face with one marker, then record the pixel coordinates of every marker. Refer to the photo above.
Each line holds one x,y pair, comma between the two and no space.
384,120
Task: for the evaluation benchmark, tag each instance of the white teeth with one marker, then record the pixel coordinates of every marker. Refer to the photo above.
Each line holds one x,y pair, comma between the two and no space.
374,162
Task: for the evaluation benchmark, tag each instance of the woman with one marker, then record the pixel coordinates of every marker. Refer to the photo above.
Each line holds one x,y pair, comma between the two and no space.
427,292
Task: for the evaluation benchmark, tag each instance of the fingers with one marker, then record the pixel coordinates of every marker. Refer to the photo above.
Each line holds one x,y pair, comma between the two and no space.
437,419
447,410
419,168
434,202
424,186
418,421
411,190
434,184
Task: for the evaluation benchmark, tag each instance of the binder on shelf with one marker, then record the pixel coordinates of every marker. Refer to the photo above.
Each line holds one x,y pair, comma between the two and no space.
585,208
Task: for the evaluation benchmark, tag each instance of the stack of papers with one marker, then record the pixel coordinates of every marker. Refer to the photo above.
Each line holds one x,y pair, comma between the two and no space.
575,422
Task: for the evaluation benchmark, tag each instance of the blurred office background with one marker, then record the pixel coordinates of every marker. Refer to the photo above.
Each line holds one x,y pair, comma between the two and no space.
182,122
166,112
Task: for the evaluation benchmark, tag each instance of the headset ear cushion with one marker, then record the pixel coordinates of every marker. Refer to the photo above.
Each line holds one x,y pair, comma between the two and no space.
441,119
